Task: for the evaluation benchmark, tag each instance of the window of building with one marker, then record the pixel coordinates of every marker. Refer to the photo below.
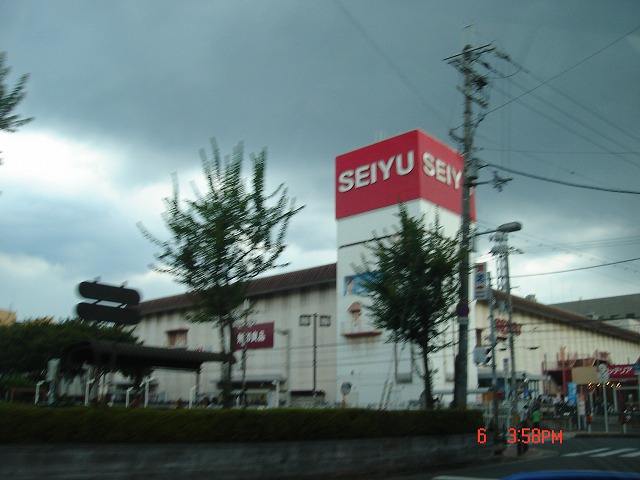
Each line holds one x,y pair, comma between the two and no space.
177,338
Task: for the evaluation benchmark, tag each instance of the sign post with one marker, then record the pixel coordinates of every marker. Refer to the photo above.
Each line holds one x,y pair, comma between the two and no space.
481,289
119,307
603,378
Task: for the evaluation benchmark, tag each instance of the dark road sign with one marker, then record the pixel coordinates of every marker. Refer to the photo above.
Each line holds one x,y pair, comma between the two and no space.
118,308
105,313
109,293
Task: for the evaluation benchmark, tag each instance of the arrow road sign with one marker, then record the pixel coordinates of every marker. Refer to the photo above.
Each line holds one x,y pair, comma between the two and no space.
117,310
109,293
105,313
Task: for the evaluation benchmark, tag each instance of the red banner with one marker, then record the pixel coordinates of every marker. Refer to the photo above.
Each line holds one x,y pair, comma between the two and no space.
618,371
257,336
502,327
406,167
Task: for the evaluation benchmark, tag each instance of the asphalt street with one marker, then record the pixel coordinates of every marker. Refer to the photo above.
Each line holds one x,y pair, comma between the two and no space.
576,452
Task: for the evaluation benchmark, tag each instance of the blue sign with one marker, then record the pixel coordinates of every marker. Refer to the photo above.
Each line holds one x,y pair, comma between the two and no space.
572,394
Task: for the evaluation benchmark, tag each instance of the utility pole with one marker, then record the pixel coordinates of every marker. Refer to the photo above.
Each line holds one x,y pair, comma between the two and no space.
473,84
494,380
504,284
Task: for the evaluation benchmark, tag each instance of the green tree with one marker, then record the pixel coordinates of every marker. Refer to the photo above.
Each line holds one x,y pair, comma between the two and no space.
10,98
222,239
412,284
26,347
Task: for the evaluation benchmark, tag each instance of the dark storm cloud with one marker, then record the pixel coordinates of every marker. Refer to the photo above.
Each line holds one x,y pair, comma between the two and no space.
149,82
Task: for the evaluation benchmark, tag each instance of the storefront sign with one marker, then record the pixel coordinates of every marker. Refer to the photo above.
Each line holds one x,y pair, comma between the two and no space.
257,336
618,371
407,167
481,289
502,327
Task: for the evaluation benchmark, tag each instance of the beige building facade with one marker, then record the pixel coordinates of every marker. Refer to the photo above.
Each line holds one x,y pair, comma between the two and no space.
548,344
280,372
552,344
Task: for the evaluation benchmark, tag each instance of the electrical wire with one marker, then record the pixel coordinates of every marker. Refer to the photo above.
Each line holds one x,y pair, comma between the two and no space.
561,182
545,82
575,269
403,77
575,120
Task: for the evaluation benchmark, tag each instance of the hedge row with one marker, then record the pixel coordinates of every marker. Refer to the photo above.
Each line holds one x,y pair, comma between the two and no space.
30,424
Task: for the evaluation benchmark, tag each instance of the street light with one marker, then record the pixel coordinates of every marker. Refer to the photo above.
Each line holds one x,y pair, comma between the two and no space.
305,321
508,227
502,229
501,249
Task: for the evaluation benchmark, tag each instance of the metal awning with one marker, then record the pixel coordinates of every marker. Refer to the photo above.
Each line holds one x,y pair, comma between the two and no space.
125,355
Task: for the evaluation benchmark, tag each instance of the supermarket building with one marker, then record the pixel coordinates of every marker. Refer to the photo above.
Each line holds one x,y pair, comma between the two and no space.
309,337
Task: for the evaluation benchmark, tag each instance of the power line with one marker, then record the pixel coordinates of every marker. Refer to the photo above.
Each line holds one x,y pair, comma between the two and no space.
545,82
405,79
560,182
560,152
576,269
577,133
584,124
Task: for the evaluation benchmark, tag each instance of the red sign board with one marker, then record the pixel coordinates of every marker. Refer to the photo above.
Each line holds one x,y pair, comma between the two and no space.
502,327
257,336
620,371
406,167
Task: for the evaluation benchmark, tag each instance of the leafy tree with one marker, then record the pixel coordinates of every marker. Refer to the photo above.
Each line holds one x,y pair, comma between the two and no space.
10,98
26,347
222,239
412,283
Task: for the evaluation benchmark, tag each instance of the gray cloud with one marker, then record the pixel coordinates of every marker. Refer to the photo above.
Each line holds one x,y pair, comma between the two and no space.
148,83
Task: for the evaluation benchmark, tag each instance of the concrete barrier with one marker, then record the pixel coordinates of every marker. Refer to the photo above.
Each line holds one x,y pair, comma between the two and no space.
233,461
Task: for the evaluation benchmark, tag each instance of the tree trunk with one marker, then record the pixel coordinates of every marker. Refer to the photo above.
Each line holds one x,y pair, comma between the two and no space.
227,387
428,389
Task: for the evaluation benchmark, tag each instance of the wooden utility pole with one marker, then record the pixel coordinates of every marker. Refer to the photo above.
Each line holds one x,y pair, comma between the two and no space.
473,84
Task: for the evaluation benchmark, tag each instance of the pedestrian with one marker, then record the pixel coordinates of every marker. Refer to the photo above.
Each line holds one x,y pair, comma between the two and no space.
522,444
536,416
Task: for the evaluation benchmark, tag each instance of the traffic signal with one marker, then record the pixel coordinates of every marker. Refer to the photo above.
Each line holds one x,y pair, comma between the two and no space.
116,310
482,355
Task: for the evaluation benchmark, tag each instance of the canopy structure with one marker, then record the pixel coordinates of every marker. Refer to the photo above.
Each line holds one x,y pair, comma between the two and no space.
124,355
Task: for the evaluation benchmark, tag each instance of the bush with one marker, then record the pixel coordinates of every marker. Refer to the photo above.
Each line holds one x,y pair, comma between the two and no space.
21,424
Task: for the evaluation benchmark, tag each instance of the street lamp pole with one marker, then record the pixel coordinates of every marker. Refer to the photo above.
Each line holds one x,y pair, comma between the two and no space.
502,230
502,250
494,380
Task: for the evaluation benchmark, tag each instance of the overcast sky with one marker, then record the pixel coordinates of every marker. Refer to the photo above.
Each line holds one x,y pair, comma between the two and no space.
125,93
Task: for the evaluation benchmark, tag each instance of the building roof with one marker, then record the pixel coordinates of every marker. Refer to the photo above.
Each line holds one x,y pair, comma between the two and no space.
326,275
309,277
618,307
553,314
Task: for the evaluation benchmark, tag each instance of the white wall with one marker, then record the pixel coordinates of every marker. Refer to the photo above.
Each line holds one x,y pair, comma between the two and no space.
369,363
283,310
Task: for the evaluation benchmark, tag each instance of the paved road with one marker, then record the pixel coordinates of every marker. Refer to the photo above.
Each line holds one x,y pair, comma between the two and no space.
600,453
